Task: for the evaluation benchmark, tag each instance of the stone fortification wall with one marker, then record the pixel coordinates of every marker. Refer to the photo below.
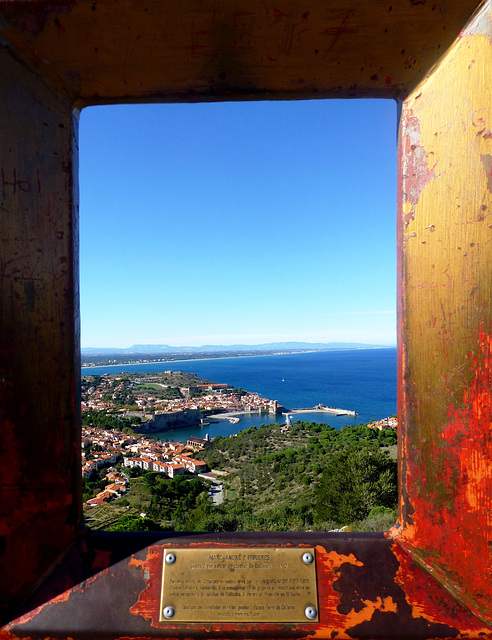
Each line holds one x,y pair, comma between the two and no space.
174,420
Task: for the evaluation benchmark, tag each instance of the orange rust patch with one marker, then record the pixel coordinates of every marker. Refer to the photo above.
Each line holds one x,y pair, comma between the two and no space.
151,566
136,562
429,600
327,566
30,615
6,635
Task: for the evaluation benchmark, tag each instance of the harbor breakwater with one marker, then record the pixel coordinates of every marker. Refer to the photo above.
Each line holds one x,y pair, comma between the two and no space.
317,409
322,409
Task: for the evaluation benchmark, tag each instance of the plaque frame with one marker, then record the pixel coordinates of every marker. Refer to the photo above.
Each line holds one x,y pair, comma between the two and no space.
254,584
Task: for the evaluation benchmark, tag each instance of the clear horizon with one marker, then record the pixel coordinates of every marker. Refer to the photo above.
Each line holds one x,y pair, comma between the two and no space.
184,346
238,223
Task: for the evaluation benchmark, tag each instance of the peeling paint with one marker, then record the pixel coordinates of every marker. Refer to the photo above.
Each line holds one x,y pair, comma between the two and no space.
481,24
415,164
486,159
428,599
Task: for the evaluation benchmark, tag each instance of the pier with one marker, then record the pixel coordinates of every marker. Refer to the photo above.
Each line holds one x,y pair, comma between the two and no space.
320,408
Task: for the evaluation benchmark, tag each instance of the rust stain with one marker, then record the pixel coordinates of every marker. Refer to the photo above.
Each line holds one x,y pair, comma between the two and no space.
354,618
6,635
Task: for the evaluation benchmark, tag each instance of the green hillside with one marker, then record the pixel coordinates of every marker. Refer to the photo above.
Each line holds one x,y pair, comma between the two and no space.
304,476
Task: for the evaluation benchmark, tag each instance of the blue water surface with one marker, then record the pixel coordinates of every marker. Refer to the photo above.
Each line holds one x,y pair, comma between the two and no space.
362,379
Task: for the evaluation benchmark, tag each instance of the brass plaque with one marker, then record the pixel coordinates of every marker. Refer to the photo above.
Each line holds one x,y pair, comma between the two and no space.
239,585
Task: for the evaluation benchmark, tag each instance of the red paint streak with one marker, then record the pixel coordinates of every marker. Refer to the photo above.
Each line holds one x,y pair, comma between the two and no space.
453,506
337,32
241,14
389,79
298,33
415,166
278,13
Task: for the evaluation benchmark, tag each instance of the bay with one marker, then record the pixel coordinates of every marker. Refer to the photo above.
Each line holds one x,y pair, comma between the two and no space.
363,380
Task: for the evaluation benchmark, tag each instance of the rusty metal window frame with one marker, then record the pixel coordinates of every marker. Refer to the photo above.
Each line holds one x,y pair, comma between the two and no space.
404,584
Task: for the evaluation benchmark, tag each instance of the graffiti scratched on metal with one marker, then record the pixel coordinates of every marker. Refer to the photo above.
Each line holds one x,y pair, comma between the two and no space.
250,585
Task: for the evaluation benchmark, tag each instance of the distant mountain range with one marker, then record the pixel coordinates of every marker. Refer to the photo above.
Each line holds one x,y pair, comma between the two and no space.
154,349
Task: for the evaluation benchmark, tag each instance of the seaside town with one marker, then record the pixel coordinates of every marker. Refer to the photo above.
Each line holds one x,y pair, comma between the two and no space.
159,403
118,395
140,399
108,446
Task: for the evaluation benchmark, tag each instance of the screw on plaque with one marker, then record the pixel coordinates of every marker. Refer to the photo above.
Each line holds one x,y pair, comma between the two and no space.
168,612
170,558
310,613
307,558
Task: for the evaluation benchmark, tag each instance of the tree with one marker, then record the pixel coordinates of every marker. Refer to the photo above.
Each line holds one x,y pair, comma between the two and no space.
130,522
355,481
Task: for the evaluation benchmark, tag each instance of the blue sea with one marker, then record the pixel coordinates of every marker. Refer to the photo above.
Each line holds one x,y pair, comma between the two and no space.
361,379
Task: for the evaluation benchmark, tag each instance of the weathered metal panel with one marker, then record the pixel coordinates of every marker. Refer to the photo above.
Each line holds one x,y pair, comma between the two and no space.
39,370
118,50
446,365
368,587
94,53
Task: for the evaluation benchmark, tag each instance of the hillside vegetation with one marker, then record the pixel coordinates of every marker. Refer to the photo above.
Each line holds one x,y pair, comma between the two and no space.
304,476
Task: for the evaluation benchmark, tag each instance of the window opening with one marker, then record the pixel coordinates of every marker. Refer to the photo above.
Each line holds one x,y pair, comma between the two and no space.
236,224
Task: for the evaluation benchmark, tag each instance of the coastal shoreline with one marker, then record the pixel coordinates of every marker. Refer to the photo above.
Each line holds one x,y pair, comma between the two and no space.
249,355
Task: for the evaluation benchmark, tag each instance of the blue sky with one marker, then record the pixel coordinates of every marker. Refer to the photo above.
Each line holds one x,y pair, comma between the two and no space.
238,222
